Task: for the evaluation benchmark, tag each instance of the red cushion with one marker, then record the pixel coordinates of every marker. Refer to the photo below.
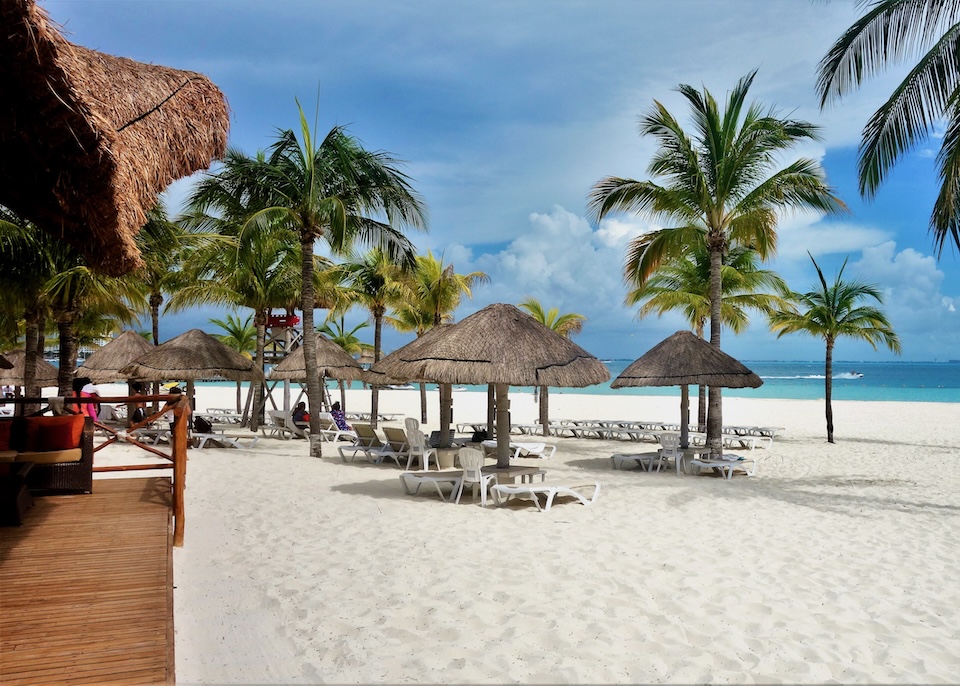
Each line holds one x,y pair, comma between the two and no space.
53,433
5,431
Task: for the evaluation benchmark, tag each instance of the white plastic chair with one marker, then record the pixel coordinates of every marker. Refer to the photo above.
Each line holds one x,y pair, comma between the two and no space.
471,460
669,450
418,448
411,424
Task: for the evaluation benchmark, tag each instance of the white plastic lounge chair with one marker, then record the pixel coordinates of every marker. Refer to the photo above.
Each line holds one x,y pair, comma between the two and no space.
504,492
366,443
395,447
244,441
472,461
644,460
329,431
727,463
410,479
280,424
544,450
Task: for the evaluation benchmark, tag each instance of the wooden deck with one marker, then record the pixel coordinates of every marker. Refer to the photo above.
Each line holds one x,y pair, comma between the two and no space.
86,588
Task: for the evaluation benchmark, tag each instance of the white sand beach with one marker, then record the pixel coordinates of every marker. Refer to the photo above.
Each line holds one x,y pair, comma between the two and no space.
834,563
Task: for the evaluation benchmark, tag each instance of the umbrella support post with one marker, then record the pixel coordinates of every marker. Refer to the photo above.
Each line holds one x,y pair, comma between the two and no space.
503,426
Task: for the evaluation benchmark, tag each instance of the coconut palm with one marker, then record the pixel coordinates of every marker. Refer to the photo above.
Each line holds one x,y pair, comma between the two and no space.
433,291
334,191
375,284
564,324
240,336
722,188
160,242
684,285
832,311
891,32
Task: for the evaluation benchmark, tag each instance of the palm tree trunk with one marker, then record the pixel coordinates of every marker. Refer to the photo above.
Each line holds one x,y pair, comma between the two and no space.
68,351
374,391
828,389
260,322
31,334
156,299
314,392
545,410
715,398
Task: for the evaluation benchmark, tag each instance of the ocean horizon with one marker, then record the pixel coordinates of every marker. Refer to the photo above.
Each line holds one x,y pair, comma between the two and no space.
852,380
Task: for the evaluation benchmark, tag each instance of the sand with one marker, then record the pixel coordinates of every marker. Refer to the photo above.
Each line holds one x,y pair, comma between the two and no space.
834,563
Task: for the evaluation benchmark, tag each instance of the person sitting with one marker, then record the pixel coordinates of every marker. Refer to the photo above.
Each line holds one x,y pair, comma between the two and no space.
339,418
82,388
300,415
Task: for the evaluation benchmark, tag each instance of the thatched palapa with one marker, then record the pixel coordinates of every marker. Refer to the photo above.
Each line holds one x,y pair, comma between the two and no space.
682,359
333,362
46,372
190,356
104,365
5,363
89,140
498,345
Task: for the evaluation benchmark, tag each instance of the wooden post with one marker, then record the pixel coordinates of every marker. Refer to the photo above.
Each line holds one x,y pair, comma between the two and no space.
503,426
181,418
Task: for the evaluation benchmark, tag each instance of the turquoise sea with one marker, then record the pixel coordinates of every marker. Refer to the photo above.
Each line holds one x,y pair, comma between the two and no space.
899,381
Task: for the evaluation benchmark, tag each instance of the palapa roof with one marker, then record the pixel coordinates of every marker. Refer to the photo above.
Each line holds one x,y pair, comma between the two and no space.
5,363
104,364
500,344
190,356
46,372
89,140
684,359
333,361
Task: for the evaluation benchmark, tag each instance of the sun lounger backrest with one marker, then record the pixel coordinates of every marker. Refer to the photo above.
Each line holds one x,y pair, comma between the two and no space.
366,435
396,437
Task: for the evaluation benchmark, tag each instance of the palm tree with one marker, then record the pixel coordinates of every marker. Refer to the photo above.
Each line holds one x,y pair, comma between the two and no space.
889,33
240,336
723,189
375,283
432,293
565,325
834,310
337,333
333,191
684,285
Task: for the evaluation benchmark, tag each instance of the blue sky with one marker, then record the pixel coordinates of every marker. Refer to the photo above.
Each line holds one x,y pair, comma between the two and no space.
506,114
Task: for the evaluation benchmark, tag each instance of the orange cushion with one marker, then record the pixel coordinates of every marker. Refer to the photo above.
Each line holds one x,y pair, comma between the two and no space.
53,433
5,430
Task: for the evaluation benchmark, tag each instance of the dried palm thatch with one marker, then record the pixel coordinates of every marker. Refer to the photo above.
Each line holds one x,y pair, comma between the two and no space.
104,365
497,345
332,361
5,363
89,140
190,356
683,359
46,372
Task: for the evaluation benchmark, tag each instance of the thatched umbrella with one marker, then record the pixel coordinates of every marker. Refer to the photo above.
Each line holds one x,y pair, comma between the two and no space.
332,362
683,359
498,345
190,356
104,365
46,372
89,140
5,363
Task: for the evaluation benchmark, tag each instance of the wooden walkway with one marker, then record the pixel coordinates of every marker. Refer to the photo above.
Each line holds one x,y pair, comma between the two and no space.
86,588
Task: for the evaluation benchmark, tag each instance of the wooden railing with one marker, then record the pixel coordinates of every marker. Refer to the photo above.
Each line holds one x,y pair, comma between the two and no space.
178,442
